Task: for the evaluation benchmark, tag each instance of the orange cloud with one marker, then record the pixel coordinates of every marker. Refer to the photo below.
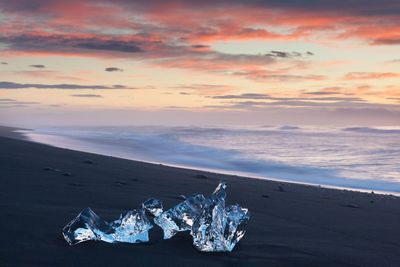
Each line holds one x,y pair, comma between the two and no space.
370,75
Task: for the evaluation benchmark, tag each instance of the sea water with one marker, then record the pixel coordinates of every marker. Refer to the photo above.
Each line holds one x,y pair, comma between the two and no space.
350,157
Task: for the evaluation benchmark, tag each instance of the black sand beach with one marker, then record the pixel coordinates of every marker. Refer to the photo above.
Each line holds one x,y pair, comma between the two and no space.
290,225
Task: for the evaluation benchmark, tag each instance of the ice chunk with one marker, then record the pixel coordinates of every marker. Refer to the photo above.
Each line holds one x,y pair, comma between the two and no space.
180,217
219,228
154,206
131,227
84,227
213,226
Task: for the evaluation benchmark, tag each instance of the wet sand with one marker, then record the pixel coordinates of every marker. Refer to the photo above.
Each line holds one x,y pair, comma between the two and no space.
290,225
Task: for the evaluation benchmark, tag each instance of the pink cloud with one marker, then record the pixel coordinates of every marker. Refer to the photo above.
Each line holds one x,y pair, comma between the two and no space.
370,75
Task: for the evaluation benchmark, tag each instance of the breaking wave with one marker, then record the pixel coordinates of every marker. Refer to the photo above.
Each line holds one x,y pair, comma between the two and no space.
372,130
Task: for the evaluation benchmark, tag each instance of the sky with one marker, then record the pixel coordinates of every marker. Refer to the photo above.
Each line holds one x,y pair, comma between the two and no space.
124,62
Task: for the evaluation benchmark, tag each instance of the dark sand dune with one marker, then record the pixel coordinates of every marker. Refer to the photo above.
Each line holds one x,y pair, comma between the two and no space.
43,188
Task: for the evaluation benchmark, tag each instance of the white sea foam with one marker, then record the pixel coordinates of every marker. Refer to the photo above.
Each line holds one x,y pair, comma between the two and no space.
373,130
355,157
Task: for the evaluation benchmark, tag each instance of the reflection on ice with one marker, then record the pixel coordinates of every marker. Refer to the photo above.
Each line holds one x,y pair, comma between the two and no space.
84,227
180,217
154,206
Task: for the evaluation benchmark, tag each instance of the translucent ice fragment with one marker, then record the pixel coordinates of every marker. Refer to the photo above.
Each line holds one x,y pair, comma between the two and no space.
180,217
218,194
154,206
237,219
219,228
131,227
84,227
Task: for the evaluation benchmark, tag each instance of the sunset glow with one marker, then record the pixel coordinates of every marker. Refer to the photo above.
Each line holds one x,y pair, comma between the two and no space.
311,62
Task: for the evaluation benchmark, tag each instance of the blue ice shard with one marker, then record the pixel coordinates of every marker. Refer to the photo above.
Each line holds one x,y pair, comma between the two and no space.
131,227
213,226
180,217
84,227
219,228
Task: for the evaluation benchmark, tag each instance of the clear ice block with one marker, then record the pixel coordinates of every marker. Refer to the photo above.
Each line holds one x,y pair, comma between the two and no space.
180,217
131,227
219,228
84,227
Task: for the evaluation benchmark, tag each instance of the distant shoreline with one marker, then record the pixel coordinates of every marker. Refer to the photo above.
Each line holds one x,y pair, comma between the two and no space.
26,135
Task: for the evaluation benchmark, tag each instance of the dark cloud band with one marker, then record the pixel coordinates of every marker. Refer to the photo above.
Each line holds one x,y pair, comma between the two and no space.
113,69
62,43
12,85
37,66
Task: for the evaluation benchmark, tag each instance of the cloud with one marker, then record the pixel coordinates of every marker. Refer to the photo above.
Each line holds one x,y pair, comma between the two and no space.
243,96
252,105
387,41
212,20
215,61
246,65
172,55
48,75
67,43
4,63
321,93
12,85
358,7
370,75
295,100
265,75
37,66
87,95
113,69
394,61
199,46
204,89
153,38
281,54
13,102
110,45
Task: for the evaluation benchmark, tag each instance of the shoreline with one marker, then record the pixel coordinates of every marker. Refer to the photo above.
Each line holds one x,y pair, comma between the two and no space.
24,134
290,224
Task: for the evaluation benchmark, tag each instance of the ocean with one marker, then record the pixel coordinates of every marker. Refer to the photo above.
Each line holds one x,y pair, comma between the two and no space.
358,158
